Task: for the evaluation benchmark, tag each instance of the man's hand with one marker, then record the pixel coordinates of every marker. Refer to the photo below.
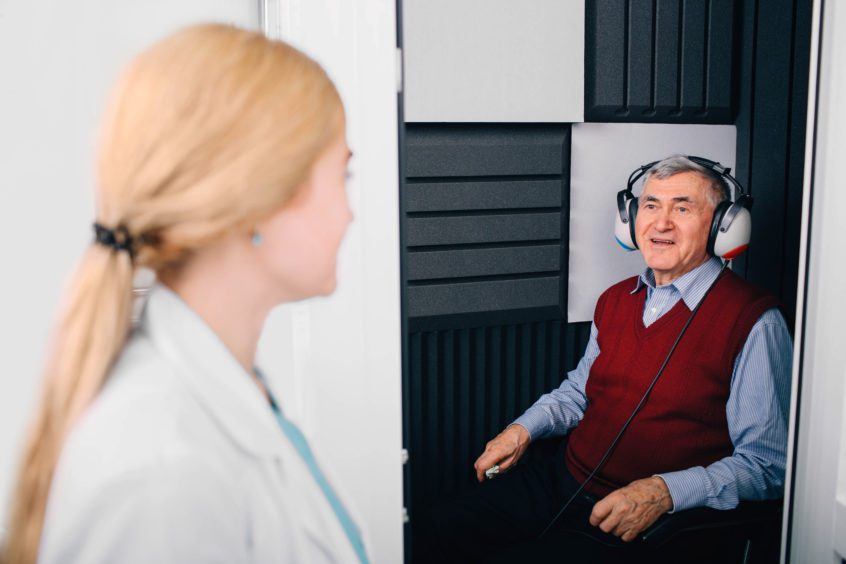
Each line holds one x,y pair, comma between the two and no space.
505,450
630,510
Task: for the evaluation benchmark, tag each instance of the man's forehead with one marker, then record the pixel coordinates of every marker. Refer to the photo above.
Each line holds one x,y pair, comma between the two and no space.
686,184
676,198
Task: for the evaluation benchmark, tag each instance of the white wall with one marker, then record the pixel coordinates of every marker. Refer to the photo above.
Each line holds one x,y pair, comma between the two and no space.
821,441
337,361
494,60
58,61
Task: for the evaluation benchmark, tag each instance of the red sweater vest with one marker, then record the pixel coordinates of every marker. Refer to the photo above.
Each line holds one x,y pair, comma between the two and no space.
683,423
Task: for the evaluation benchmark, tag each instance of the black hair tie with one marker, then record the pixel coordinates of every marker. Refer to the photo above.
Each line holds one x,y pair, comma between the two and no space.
117,239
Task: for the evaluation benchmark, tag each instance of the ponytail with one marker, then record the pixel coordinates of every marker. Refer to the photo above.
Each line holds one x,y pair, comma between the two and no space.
92,329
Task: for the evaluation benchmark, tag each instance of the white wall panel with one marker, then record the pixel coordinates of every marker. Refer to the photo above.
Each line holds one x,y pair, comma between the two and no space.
336,362
603,155
818,479
494,60
58,61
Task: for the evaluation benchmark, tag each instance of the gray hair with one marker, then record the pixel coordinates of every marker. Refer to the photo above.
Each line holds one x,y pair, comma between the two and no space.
676,164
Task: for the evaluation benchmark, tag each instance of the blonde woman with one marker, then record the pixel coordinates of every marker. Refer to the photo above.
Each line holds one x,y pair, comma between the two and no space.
222,168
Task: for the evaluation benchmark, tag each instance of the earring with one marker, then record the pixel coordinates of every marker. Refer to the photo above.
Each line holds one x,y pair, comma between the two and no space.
257,239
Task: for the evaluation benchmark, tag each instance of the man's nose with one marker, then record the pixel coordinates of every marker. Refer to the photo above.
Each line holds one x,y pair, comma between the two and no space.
663,222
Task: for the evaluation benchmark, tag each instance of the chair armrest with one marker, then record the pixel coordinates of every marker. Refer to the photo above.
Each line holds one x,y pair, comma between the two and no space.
746,514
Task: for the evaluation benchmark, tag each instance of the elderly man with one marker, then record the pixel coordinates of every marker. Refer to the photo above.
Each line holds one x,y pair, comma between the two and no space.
712,432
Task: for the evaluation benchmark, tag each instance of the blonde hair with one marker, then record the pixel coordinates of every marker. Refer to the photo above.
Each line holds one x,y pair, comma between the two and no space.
209,131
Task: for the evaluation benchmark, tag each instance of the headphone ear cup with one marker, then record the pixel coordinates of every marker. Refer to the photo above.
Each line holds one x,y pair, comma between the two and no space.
633,206
623,231
716,220
731,241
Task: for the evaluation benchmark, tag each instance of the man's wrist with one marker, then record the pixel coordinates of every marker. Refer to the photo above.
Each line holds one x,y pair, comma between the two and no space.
688,488
666,497
524,435
534,421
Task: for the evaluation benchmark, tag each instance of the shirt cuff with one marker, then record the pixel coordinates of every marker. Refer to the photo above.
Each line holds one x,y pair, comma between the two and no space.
687,488
535,422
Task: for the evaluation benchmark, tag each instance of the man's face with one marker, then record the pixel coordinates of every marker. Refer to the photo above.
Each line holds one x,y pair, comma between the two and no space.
672,225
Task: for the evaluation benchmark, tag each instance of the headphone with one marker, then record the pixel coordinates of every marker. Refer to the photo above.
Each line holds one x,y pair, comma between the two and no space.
731,226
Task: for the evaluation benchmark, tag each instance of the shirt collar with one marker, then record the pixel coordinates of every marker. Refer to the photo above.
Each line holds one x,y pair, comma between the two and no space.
691,285
211,372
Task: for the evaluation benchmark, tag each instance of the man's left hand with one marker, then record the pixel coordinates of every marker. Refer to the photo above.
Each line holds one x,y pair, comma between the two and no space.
628,511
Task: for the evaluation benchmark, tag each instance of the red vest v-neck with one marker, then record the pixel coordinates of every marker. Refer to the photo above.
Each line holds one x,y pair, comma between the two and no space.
683,424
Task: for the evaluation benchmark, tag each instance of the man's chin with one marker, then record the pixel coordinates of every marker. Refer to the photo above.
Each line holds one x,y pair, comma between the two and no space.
661,263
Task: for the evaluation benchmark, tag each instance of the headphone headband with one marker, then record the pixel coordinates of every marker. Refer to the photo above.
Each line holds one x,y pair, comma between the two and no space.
638,173
723,172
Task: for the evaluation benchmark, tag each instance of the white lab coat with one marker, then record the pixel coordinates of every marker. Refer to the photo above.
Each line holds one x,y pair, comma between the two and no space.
180,459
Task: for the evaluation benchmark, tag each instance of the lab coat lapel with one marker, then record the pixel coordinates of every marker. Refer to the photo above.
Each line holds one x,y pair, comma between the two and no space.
212,373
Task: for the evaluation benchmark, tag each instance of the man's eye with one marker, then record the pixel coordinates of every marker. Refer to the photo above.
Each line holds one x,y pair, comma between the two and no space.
682,210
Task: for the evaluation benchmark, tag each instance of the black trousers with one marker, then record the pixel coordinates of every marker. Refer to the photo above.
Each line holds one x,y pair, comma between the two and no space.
501,520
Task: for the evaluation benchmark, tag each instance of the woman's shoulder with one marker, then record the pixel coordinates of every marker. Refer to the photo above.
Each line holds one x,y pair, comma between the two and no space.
143,451
143,416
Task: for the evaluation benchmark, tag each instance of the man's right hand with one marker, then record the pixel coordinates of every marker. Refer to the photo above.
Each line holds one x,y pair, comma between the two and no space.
505,450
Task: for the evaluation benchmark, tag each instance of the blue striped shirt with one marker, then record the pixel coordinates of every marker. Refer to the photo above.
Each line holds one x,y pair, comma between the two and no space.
757,408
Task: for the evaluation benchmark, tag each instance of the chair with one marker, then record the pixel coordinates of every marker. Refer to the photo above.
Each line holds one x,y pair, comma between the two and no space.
748,534
752,533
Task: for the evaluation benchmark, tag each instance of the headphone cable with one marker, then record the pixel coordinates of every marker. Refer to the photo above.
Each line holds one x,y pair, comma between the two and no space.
640,404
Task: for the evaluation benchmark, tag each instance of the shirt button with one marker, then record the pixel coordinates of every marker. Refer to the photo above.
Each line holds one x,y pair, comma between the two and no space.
654,309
